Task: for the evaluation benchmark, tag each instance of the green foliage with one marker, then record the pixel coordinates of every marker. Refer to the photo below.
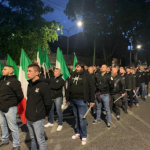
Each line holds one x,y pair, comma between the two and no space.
23,27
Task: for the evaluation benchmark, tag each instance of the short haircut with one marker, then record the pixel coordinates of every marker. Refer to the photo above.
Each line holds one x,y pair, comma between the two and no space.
81,64
35,67
104,65
10,67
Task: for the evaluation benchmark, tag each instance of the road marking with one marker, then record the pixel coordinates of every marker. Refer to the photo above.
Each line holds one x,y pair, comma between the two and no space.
137,117
57,147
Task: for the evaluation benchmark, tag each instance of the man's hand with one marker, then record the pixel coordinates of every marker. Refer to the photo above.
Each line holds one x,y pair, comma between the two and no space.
138,88
134,91
46,118
145,85
122,95
92,104
47,70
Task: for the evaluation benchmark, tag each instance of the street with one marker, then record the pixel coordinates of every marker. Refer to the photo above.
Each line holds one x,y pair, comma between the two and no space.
132,132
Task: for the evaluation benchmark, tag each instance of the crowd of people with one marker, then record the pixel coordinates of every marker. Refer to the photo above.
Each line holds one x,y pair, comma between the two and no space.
102,88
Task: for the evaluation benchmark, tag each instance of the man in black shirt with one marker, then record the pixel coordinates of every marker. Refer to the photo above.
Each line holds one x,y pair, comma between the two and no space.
117,90
137,80
38,106
143,82
103,82
10,96
80,91
56,85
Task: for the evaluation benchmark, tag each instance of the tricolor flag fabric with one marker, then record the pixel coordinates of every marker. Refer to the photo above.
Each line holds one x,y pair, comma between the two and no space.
24,63
40,59
61,64
74,62
12,63
1,68
46,60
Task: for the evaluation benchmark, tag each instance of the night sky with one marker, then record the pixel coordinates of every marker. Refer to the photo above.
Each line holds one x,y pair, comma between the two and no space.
60,16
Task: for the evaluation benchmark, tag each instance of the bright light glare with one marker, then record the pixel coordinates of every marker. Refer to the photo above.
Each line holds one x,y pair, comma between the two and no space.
58,29
139,46
79,24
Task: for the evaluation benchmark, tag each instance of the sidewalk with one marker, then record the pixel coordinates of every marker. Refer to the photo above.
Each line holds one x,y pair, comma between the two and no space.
132,132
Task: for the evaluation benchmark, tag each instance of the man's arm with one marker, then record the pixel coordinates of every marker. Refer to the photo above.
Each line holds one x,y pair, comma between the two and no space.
57,85
16,87
45,91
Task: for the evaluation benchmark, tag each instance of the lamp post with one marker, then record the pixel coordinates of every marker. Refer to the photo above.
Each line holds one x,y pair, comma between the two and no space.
78,24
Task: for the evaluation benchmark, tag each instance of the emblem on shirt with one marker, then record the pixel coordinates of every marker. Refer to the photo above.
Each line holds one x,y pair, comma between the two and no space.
76,79
57,81
37,90
7,83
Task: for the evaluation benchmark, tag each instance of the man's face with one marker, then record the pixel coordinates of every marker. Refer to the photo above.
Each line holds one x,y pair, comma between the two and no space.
90,70
122,70
128,70
6,71
85,67
114,70
141,68
57,72
108,69
71,67
78,68
103,68
94,68
32,73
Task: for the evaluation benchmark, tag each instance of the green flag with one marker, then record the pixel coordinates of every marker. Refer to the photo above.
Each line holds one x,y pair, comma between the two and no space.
46,60
12,63
61,64
1,68
74,62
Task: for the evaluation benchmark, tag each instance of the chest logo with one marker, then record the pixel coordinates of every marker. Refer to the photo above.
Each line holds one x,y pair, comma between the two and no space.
37,90
57,81
7,83
76,79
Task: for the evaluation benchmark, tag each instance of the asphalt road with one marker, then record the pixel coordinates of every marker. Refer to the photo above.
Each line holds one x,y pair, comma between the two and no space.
132,132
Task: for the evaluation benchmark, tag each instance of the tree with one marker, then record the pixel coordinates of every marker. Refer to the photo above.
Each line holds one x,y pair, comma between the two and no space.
24,27
112,20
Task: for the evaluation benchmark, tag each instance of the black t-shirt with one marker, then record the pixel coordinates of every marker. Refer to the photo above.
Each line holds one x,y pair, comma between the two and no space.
76,90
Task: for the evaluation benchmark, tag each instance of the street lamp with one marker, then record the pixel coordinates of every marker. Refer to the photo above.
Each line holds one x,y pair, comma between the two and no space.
79,23
139,46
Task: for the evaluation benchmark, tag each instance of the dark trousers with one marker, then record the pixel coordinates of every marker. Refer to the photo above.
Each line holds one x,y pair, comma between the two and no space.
118,104
125,100
130,93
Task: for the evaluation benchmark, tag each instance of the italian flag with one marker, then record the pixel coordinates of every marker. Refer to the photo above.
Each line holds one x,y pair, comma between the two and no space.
74,62
40,59
61,64
46,60
24,63
12,63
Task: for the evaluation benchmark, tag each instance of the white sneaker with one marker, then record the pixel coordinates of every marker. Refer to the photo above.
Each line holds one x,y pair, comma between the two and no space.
84,141
76,136
59,128
48,125
137,105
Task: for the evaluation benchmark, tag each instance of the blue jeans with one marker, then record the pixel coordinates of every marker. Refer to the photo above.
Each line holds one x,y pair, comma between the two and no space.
105,100
79,110
36,130
142,86
57,102
9,119
136,98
